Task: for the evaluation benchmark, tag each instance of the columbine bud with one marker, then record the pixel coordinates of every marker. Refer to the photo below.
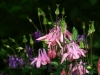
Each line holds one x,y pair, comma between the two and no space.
99,67
83,26
57,10
19,48
51,53
30,20
7,46
63,11
63,72
39,13
24,39
31,40
91,28
44,20
49,8
12,39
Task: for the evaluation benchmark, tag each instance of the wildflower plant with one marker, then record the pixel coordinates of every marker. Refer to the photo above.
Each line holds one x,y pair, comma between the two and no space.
62,50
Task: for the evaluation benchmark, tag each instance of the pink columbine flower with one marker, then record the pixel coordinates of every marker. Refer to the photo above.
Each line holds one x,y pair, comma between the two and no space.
99,67
69,35
63,72
73,52
78,69
54,37
52,53
42,58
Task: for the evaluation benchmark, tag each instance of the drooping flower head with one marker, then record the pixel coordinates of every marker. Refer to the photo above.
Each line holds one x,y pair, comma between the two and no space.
51,53
63,72
42,58
13,61
78,69
29,51
73,52
98,67
53,37
36,35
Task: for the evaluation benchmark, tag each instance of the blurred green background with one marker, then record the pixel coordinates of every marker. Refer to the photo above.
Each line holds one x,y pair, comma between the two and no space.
14,13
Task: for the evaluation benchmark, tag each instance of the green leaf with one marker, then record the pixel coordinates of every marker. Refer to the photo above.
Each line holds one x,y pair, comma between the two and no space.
74,34
54,63
2,51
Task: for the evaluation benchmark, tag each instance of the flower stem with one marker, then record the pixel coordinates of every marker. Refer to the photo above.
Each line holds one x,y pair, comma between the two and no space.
40,25
32,23
91,37
13,50
31,73
50,16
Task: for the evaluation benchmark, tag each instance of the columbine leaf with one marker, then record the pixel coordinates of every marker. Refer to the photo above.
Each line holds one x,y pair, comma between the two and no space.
74,34
54,63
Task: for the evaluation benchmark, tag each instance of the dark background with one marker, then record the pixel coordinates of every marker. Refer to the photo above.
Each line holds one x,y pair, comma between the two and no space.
14,22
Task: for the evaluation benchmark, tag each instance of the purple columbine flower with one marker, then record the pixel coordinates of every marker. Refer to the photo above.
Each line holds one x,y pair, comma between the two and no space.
81,38
21,62
13,61
36,35
29,51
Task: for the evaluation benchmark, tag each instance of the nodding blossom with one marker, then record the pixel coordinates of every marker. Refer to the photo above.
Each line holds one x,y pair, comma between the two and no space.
54,37
15,62
42,59
29,51
36,35
73,52
63,72
78,69
98,67
52,53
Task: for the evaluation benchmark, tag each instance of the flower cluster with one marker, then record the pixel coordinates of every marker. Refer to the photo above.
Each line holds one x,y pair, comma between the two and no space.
62,47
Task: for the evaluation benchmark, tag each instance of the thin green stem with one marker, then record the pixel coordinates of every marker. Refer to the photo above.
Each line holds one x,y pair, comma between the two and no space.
45,29
33,50
13,50
10,71
56,20
32,23
40,25
50,16
91,51
35,26
31,73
